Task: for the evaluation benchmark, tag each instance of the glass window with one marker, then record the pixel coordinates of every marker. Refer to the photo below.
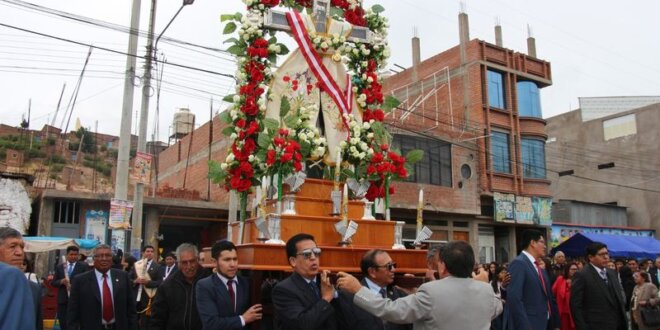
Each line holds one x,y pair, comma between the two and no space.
499,145
529,100
435,167
533,158
496,90
67,212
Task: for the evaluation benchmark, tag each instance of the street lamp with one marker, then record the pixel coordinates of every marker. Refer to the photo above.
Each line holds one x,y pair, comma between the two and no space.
185,3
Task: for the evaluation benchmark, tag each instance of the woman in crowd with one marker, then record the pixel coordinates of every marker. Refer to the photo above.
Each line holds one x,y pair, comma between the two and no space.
643,292
492,271
496,283
562,291
128,263
27,269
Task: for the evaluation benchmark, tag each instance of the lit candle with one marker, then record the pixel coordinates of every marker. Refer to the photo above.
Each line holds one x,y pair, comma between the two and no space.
337,168
420,210
345,205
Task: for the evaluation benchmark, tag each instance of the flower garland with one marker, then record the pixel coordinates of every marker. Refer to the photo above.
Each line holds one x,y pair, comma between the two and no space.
256,49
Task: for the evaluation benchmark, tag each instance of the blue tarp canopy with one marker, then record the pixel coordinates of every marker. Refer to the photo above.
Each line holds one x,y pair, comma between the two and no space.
48,243
619,246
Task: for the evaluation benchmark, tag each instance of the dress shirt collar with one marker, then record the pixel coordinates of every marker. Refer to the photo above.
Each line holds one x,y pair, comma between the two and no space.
373,287
530,257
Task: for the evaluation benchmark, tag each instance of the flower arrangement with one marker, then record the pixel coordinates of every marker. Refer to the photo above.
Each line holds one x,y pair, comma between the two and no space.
261,146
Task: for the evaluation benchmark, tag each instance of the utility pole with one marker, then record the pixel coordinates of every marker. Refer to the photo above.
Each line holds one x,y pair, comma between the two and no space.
138,197
123,156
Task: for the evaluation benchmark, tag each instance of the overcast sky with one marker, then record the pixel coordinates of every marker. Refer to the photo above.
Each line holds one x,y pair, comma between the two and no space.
596,48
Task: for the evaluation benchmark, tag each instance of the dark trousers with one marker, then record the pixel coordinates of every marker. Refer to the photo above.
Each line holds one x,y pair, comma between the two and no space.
61,315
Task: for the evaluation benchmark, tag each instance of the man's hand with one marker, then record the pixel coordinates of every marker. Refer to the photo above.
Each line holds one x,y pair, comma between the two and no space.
480,275
252,314
141,280
348,283
65,282
507,280
327,289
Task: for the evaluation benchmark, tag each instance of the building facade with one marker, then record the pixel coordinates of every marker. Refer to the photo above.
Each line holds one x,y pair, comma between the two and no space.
608,159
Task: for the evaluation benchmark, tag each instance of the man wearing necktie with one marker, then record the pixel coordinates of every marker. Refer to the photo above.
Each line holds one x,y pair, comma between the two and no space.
597,298
64,273
102,298
530,303
223,299
305,299
378,270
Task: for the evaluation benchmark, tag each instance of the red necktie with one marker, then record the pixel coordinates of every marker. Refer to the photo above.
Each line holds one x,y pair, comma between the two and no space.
108,311
232,294
538,270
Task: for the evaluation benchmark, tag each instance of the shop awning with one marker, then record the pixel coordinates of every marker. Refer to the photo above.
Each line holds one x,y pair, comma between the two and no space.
47,243
619,246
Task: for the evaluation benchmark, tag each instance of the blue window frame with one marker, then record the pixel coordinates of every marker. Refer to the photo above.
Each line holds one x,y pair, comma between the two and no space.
496,90
529,100
499,145
533,158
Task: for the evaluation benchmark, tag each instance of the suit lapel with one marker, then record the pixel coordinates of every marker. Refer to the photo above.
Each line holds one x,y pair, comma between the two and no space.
303,287
531,267
221,289
599,280
94,285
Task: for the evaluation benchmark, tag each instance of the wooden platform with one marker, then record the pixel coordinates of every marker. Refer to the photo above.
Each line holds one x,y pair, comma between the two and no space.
313,208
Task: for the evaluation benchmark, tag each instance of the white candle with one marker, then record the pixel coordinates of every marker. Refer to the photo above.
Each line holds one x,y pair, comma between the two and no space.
421,198
345,206
337,168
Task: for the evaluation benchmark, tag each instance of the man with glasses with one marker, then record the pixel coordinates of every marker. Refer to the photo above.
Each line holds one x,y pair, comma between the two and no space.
64,273
456,301
223,299
597,299
102,298
378,269
530,303
303,300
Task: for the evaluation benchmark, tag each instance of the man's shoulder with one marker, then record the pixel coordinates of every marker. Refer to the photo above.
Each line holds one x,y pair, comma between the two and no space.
10,272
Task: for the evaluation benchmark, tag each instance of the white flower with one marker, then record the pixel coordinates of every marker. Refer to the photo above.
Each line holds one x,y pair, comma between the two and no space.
364,146
370,79
317,40
370,136
342,144
324,45
366,126
310,134
370,151
230,158
356,51
251,158
237,98
223,166
366,52
234,135
352,150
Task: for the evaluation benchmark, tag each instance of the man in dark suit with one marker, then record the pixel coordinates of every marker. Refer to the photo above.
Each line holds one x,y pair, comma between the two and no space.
223,299
102,298
378,270
145,277
530,303
655,273
597,299
303,300
170,267
64,273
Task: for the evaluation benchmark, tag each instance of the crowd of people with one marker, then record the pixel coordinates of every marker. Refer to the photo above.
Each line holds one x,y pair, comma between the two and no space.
531,292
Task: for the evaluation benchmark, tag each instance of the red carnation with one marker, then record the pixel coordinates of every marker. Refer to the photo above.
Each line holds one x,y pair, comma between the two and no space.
384,146
253,128
379,115
270,157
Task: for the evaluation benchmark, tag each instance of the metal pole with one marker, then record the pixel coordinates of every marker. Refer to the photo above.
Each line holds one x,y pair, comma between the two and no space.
138,197
121,182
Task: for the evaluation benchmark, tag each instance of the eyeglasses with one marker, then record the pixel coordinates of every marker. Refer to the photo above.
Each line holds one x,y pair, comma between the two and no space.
390,266
307,253
603,254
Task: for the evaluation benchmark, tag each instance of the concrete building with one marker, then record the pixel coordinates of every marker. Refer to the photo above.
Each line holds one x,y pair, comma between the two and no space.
475,111
608,159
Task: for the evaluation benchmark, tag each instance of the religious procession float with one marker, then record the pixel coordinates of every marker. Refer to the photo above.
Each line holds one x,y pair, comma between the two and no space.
321,113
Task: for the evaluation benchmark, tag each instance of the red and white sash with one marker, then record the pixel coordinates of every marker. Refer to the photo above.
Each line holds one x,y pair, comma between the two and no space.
325,79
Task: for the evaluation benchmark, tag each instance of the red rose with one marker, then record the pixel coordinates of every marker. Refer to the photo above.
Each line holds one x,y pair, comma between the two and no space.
270,3
379,115
377,158
286,156
286,78
278,142
250,107
270,157
240,123
297,166
252,128
283,132
371,170
384,146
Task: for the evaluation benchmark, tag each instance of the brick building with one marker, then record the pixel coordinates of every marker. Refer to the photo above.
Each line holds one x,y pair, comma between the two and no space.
475,111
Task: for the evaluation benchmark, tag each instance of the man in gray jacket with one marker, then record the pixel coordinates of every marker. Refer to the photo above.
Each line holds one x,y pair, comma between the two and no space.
454,302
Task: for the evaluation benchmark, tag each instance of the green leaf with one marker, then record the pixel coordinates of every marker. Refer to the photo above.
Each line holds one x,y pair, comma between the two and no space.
261,154
283,49
285,106
263,140
235,50
229,28
271,124
229,98
377,9
334,11
272,41
225,117
226,17
230,40
291,121
413,156
228,130
305,148
272,58
238,16
216,173
390,103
